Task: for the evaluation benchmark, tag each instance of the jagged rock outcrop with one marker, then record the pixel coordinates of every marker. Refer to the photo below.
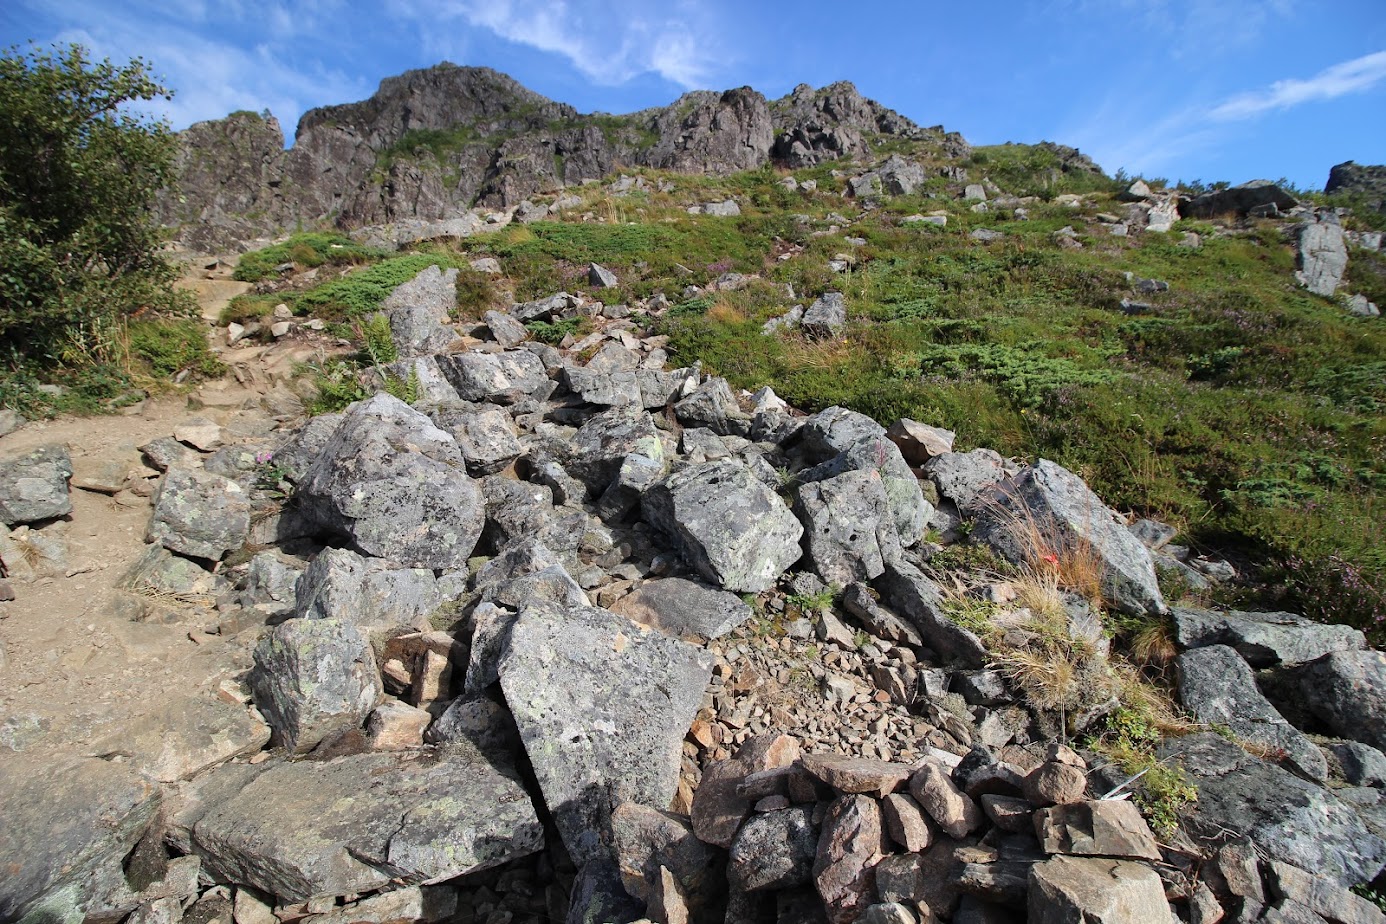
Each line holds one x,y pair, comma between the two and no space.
434,142
1367,180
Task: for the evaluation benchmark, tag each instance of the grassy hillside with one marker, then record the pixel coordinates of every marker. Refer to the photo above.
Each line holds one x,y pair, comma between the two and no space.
1237,406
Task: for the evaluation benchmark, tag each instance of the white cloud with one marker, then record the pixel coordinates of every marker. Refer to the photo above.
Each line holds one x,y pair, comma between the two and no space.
608,41
211,75
1353,76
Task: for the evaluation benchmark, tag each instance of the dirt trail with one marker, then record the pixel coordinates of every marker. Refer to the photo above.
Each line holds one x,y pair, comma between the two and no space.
74,667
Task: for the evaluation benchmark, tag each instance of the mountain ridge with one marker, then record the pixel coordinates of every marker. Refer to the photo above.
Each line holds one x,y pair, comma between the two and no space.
435,141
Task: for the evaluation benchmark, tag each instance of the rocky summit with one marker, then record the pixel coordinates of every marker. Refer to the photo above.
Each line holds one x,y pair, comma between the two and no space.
472,593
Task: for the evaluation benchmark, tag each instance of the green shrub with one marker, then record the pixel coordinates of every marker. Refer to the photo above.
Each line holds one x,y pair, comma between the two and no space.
168,348
361,291
307,250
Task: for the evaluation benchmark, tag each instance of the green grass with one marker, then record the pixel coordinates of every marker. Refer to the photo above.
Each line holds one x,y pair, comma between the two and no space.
306,250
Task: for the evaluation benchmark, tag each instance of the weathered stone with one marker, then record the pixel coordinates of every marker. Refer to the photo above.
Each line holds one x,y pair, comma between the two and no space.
500,378
369,593
1009,813
840,441
1238,199
1287,818
1360,764
1321,257
1113,828
713,406
418,312
185,735
731,528
718,807
602,707
1263,639
1321,896
603,442
853,775
312,678
858,600
933,788
775,850
920,442
1049,510
826,317
1078,890
480,721
1346,690
485,435
271,584
68,825
905,822
683,608
515,511
636,475
1218,688
504,329
964,477
908,591
393,726
158,571
199,514
305,829
849,531
601,277
647,840
848,851
395,484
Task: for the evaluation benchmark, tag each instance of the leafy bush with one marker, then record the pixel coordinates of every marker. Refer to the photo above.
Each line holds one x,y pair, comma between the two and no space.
78,171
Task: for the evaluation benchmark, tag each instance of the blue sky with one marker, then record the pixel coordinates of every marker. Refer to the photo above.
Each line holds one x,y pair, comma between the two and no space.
1207,89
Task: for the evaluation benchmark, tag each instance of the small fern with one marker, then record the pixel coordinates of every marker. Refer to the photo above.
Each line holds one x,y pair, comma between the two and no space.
405,389
377,340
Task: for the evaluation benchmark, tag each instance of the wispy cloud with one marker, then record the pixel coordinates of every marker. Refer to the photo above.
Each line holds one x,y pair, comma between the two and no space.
211,72
1353,76
608,41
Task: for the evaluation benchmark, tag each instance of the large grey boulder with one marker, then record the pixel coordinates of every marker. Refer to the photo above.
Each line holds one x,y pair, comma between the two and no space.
1263,639
683,608
900,177
1047,509
1346,690
730,527
606,439
68,827
849,531
199,514
964,477
34,486
485,435
1082,890
840,441
504,329
313,678
1239,199
1321,253
418,311
602,706
713,406
641,388
306,830
395,485
501,378
369,593
1288,819
826,317
1218,688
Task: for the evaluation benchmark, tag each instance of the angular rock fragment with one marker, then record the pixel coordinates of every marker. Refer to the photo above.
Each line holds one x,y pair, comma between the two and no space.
1112,828
718,806
1263,639
312,678
731,528
849,531
1218,688
853,775
602,707
34,486
605,440
775,850
848,851
501,378
1346,690
199,514
1080,889
1049,510
369,593
350,825
683,608
396,485
933,788
418,312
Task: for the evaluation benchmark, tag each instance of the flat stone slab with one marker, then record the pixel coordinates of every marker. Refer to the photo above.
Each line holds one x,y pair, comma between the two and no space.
186,736
67,826
1263,639
602,705
304,829
683,608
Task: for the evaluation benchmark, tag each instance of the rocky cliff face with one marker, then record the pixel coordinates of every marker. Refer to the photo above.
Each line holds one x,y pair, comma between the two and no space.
1365,179
433,142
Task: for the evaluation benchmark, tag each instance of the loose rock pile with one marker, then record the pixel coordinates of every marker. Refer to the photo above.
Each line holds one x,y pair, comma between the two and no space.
596,641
